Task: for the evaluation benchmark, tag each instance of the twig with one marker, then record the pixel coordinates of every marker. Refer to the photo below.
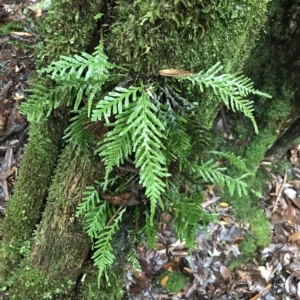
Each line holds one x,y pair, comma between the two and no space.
114,216
210,202
225,123
280,191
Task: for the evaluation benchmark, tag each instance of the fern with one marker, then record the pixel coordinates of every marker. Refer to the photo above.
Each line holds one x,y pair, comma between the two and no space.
188,213
136,130
149,231
115,102
75,77
103,255
76,132
156,126
96,214
86,73
232,88
234,160
89,200
14,25
211,172
42,101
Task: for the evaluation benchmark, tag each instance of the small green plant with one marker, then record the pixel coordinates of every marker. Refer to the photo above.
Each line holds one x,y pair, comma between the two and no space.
153,125
6,29
96,213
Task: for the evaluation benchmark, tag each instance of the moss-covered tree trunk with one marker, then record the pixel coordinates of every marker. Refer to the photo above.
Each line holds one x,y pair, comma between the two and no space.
67,30
142,36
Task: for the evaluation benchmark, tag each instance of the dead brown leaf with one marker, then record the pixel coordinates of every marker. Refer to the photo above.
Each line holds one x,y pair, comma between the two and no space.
294,237
225,272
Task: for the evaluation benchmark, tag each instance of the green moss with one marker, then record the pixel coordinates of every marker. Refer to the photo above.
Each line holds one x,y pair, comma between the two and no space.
22,213
150,35
175,282
68,28
89,289
248,249
35,285
60,246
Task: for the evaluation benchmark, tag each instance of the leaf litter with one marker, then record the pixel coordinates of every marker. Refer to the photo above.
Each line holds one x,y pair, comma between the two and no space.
273,274
15,67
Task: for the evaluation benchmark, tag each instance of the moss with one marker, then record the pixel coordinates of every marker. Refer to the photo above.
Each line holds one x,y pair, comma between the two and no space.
175,281
150,35
36,285
272,67
60,245
89,290
248,250
68,27
22,213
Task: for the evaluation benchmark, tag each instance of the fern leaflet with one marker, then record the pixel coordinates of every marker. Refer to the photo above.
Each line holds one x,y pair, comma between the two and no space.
103,256
230,87
209,171
136,130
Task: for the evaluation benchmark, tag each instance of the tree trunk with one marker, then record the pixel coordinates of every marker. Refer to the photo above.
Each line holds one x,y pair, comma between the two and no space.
143,40
24,209
281,146
60,245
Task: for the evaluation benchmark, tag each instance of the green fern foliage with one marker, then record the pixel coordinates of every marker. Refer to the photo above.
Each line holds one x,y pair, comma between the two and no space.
76,77
211,172
14,25
103,255
151,124
231,88
96,214
188,215
42,101
76,133
115,102
138,130
233,160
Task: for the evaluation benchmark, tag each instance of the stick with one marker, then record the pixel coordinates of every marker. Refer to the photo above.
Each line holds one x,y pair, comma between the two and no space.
280,191
114,216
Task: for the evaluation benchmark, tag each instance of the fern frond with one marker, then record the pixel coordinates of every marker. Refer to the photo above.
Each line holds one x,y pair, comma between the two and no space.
92,68
136,129
149,231
231,88
103,256
90,198
188,213
76,132
117,144
234,160
115,102
178,143
43,100
95,220
79,75
14,25
210,172
148,136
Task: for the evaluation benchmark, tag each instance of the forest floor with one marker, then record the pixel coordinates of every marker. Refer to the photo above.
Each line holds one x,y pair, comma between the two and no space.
212,269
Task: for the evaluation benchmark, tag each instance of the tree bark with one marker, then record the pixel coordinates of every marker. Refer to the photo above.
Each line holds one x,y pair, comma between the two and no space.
25,207
60,246
281,146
